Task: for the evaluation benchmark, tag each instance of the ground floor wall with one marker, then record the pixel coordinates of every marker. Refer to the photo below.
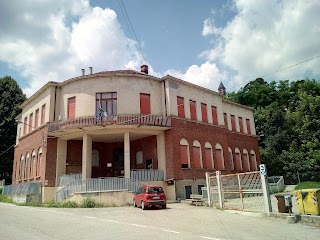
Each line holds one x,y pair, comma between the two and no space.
184,188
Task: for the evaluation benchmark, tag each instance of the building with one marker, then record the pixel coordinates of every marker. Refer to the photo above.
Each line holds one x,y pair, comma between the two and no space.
127,124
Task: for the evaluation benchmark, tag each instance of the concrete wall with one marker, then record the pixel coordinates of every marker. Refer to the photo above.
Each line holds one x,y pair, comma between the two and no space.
48,194
34,198
180,187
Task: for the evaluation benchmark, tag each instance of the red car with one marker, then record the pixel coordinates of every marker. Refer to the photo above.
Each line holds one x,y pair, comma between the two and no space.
148,196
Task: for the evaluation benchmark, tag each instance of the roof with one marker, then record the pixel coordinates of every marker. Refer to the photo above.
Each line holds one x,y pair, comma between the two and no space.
221,86
128,71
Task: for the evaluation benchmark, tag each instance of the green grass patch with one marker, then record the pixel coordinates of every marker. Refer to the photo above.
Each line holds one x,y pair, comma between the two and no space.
30,204
90,203
306,185
6,199
69,204
1,190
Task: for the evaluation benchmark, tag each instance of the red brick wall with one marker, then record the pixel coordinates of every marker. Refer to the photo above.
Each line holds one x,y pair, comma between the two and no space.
51,162
203,133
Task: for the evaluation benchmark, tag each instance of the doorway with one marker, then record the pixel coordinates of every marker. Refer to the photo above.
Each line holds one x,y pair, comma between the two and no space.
118,162
188,191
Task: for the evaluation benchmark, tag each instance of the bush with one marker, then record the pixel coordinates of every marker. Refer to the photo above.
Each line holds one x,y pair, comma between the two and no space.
6,199
89,203
306,185
30,204
1,190
69,204
53,204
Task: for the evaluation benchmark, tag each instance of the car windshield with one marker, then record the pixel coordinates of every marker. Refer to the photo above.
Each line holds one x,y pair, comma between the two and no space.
155,190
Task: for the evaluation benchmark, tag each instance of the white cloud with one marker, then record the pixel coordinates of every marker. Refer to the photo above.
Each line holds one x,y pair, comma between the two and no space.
266,36
209,28
47,42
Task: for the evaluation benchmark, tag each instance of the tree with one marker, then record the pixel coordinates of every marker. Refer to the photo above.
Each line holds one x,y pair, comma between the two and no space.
11,96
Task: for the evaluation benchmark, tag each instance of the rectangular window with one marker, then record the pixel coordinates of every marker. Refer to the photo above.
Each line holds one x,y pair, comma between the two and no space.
184,156
214,115
204,112
25,126
36,120
106,105
30,122
71,107
241,124
196,157
145,103
208,158
180,103
225,118
193,111
248,126
43,114
233,123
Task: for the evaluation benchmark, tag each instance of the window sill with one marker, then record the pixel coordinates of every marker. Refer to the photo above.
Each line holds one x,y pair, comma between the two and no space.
186,168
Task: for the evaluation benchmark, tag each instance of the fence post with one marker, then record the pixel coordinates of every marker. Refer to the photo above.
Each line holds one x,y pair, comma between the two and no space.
218,176
208,187
265,188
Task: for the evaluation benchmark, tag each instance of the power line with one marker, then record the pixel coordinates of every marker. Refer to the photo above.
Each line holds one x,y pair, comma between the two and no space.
7,150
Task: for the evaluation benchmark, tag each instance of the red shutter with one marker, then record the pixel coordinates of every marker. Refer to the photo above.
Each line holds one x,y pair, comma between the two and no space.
238,162
253,165
193,111
25,126
225,117
71,107
241,124
184,154
145,103
196,157
204,112
36,120
219,159
233,123
43,114
30,122
214,115
248,126
180,103
208,158
245,162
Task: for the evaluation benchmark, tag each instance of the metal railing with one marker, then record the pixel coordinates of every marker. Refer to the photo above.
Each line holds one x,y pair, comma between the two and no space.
276,184
147,175
120,119
96,185
67,178
27,188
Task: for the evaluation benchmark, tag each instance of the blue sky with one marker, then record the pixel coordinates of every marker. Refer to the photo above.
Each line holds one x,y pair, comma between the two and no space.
203,42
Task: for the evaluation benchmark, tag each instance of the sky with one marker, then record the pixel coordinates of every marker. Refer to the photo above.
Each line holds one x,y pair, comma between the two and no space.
203,42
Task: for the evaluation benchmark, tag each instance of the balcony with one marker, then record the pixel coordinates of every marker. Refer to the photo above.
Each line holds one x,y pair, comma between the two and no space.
119,119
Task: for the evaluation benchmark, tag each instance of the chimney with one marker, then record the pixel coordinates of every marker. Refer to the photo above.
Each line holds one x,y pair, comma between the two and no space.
144,69
222,89
90,69
83,71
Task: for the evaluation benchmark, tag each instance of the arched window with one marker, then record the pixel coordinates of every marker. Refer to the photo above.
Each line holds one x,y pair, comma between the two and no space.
219,157
197,156
39,162
231,158
238,162
27,167
253,161
184,153
208,155
33,164
95,158
20,168
245,162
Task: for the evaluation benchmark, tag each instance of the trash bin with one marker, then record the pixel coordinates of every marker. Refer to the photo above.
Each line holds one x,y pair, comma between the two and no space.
282,207
308,201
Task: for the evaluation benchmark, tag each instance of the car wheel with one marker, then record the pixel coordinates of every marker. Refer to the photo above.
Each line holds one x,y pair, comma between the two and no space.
164,206
134,203
143,207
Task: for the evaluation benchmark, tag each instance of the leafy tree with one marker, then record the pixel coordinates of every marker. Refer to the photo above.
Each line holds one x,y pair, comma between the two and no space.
11,96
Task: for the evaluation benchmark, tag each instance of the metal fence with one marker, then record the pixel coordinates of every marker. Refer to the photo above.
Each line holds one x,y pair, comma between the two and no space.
27,188
147,175
276,184
67,178
97,185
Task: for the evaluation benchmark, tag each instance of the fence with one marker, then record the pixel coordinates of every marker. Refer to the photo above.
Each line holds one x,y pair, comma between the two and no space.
147,175
27,188
276,184
67,178
96,185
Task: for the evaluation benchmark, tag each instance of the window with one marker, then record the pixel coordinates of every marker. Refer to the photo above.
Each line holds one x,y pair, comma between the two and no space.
245,162
238,163
95,158
208,155
233,123
21,167
25,126
241,124
200,189
145,103
214,115
204,112
26,167
39,161
33,165
231,158
197,158
71,107
248,126
253,161
180,103
43,114
106,105
30,122
219,157
139,157
193,111
184,154
225,118
36,120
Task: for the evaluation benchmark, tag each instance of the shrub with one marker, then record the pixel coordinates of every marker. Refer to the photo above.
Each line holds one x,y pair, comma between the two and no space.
6,199
306,185
1,190
30,204
69,204
53,204
88,203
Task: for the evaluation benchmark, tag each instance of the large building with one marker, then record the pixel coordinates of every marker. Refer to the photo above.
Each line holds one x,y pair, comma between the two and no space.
127,124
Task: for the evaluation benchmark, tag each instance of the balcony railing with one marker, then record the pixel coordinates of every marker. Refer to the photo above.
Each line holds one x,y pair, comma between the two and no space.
119,119
147,175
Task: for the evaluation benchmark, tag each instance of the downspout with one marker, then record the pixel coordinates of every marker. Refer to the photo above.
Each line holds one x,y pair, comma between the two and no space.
165,97
55,101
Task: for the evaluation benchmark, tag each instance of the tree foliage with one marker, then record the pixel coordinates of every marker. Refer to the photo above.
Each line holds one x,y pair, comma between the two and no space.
287,117
11,96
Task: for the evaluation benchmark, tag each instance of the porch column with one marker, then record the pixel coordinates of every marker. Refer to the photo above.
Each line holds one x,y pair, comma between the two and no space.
161,152
86,156
61,159
127,155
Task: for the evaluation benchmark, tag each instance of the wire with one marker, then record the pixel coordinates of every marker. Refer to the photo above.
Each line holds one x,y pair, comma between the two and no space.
7,150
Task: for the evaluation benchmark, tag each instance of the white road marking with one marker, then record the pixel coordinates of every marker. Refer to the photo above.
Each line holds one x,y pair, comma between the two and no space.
166,230
137,225
109,220
209,238
89,217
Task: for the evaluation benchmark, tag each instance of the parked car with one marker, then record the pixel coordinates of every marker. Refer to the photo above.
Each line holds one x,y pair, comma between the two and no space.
148,196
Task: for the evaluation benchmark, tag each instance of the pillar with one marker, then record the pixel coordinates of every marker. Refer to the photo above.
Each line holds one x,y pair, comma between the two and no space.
86,156
61,159
127,154
161,152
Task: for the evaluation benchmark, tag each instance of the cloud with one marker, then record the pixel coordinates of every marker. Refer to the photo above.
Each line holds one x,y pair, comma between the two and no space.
265,36
47,42
209,28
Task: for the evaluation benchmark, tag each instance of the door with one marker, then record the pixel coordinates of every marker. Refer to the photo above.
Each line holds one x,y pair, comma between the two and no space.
188,191
149,164
118,162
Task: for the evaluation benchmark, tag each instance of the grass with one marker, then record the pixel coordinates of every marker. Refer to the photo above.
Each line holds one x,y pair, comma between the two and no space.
1,190
6,199
306,185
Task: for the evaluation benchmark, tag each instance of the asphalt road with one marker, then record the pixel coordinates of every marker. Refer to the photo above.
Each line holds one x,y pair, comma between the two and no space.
178,221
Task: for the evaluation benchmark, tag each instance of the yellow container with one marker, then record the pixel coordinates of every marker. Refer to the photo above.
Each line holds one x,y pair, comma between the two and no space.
308,201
